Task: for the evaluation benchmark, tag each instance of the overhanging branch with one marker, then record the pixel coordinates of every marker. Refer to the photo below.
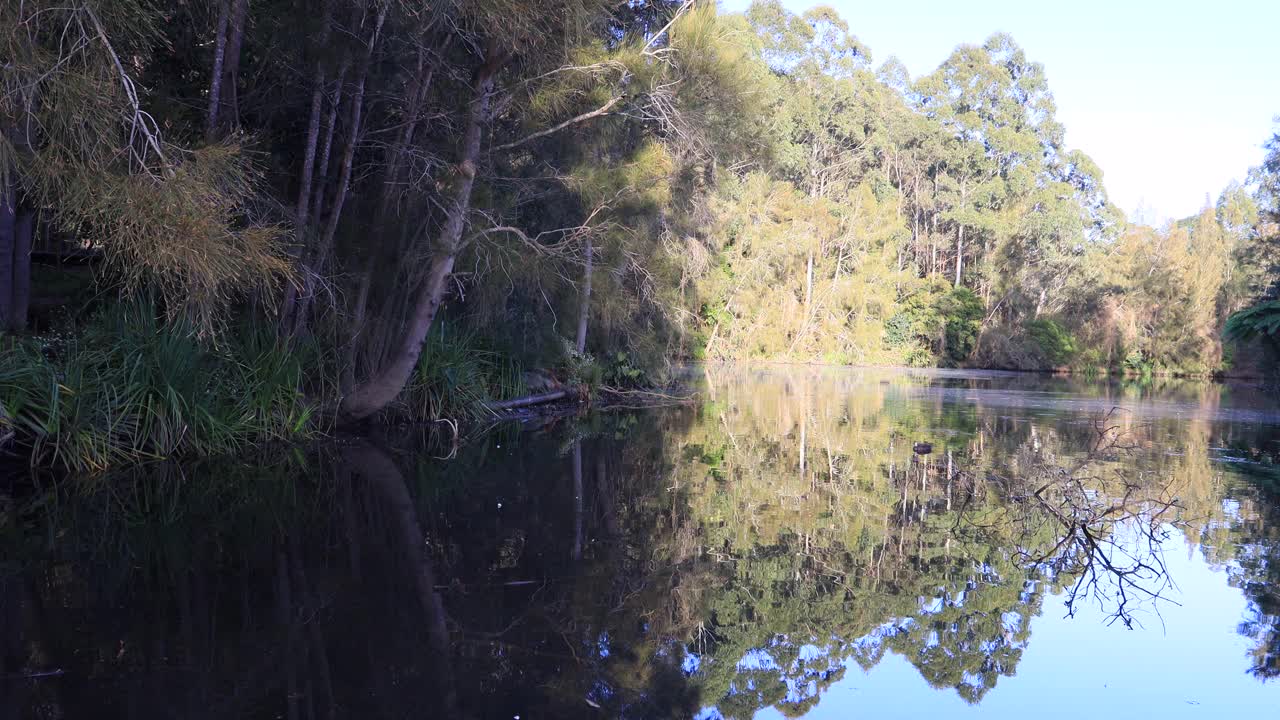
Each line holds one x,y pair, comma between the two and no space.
602,110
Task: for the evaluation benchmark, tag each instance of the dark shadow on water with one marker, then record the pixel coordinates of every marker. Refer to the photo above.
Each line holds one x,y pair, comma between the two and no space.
746,553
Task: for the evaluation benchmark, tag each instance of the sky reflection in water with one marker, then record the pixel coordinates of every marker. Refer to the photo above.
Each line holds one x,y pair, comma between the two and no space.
777,550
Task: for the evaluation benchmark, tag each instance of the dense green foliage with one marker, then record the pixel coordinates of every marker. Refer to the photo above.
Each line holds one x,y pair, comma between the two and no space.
562,182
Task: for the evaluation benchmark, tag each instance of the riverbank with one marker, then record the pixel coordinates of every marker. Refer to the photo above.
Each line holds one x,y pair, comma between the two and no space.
130,386
1256,373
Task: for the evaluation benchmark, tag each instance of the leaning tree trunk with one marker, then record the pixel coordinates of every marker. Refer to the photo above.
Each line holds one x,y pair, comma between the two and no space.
386,481
381,389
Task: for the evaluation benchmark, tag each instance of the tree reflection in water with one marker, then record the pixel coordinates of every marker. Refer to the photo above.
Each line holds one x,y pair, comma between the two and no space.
741,554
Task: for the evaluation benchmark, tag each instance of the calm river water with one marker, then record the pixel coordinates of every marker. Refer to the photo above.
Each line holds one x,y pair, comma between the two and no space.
777,549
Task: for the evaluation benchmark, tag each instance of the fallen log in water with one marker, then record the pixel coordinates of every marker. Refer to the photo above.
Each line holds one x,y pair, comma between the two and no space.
528,400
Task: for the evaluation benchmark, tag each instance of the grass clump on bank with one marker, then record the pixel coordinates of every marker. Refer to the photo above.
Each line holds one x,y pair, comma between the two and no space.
457,374
129,387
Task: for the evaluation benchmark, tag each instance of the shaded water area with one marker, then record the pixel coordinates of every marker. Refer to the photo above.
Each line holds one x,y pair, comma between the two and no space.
776,549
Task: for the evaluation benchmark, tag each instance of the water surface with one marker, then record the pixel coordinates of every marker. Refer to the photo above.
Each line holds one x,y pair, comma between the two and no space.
776,549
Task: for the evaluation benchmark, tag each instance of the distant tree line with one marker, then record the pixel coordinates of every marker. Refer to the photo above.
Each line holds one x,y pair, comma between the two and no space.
584,184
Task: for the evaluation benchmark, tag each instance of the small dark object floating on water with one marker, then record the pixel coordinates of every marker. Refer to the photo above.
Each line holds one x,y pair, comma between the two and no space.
922,448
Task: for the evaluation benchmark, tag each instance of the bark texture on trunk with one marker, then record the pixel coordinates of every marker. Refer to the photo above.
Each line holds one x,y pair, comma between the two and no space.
230,110
219,60
381,389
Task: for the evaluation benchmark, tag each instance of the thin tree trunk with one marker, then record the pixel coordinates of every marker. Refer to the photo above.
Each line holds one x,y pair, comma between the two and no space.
808,285
321,177
235,38
382,388
219,58
395,163
313,124
8,246
344,175
326,151
585,309
915,237
576,553
23,233
959,254
388,204
933,247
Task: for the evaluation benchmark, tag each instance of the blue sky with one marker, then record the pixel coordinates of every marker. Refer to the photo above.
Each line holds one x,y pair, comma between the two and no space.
1172,99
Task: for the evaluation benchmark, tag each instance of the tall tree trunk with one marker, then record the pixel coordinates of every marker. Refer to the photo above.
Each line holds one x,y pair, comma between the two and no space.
8,246
959,254
235,38
808,285
219,59
376,393
313,121
330,131
24,227
344,175
915,236
933,245
419,85
289,304
576,552
584,310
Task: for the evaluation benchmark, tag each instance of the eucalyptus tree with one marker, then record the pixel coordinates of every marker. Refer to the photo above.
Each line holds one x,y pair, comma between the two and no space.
537,76
997,109
498,39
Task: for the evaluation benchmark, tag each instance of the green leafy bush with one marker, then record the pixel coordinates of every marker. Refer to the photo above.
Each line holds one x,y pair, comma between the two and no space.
1259,321
623,372
962,311
1053,341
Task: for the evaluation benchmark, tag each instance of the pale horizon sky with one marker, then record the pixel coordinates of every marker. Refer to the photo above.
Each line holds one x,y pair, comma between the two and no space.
1173,99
